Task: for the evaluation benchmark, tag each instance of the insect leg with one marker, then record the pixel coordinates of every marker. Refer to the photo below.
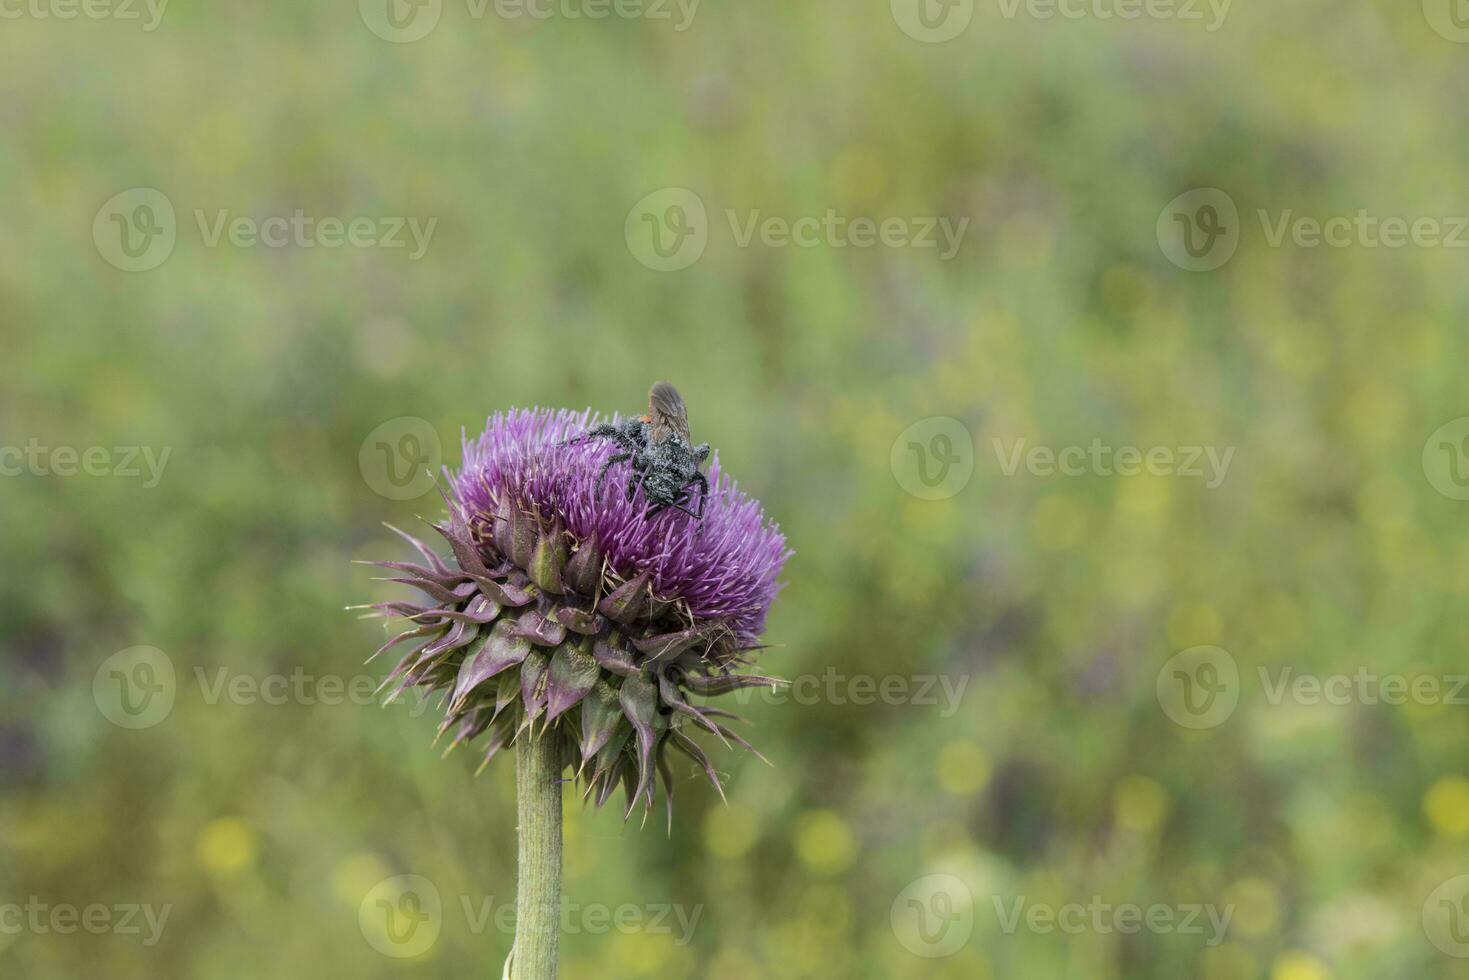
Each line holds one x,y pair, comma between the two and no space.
603,431
703,483
632,483
602,474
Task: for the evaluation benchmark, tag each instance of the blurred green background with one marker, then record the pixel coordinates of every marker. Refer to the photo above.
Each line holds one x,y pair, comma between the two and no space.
1058,776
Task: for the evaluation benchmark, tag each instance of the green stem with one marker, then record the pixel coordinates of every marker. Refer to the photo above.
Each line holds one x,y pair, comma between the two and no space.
538,888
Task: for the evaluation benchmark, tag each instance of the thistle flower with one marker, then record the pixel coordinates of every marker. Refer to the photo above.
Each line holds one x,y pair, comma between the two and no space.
563,616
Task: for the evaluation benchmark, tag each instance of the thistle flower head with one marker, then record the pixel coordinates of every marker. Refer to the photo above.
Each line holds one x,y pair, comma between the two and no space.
570,614
723,567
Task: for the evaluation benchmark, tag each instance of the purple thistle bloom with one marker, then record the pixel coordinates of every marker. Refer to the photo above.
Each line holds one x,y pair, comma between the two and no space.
723,567
594,620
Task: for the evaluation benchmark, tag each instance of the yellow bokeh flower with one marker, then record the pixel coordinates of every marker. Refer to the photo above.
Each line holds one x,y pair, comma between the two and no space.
1446,804
825,843
1140,803
963,768
226,845
1298,966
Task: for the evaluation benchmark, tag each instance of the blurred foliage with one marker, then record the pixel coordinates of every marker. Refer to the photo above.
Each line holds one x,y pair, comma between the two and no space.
1057,599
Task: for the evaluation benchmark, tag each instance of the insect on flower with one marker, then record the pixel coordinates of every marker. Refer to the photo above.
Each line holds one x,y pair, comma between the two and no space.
657,447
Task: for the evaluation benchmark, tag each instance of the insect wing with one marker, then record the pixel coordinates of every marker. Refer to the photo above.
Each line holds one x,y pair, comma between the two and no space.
667,413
